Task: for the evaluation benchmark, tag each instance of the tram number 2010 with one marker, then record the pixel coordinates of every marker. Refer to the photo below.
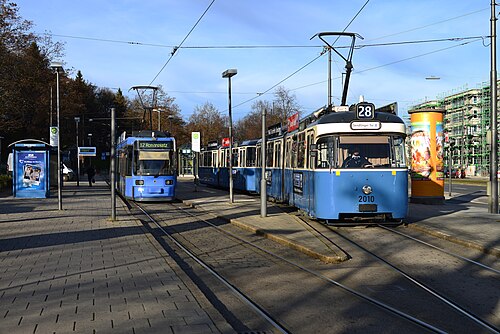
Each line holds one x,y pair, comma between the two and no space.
366,199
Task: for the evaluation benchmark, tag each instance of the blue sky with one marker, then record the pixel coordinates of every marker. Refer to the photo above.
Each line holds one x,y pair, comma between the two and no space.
382,74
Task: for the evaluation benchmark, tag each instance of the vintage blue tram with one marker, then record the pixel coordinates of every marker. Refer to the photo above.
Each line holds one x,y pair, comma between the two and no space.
214,166
146,166
308,167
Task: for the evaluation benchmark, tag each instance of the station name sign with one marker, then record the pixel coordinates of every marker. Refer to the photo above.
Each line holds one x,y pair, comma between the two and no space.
155,145
87,151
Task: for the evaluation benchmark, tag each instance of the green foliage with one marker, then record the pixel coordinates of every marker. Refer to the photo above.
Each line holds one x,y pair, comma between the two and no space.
5,182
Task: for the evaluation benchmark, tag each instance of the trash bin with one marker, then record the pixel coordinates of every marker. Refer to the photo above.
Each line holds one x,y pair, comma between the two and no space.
31,169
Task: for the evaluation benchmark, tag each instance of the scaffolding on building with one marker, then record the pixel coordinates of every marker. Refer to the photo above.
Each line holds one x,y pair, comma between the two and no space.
467,124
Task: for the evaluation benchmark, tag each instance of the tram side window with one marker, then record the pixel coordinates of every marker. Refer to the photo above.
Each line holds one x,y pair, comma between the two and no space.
207,159
288,153
258,157
269,154
309,158
325,153
214,159
277,154
235,157
250,156
241,157
293,152
301,150
128,158
399,159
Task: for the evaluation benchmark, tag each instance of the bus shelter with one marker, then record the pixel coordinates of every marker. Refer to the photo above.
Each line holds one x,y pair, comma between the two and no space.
30,177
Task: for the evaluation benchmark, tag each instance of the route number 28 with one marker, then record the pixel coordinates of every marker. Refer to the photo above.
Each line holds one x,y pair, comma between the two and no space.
365,110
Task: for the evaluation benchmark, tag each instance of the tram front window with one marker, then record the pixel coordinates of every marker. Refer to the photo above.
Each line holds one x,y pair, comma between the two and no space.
380,151
160,164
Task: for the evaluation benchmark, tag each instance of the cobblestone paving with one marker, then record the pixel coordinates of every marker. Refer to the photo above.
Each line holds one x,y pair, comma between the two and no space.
75,271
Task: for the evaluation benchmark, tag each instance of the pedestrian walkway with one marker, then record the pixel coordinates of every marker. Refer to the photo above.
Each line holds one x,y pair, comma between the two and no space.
75,270
458,220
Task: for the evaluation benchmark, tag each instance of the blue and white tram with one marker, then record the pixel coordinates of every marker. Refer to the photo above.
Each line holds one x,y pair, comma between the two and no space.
317,180
147,166
214,166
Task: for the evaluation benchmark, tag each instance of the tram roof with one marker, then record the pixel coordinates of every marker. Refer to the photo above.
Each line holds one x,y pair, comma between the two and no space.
349,116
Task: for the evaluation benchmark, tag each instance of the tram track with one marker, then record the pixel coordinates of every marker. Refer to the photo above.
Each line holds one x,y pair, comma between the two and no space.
483,323
316,274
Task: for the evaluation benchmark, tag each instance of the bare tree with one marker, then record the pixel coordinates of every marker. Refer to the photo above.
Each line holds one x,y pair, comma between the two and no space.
209,122
285,103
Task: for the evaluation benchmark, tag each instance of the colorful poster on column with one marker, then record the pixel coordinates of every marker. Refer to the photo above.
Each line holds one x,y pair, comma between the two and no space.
439,151
421,166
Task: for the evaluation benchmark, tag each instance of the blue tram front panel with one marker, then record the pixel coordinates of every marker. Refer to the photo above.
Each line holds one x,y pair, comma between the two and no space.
360,193
344,194
151,188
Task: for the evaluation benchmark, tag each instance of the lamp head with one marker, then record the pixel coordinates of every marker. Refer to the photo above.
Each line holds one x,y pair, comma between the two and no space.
57,65
229,73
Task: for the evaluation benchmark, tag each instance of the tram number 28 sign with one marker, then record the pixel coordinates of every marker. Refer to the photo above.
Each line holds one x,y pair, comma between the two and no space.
365,110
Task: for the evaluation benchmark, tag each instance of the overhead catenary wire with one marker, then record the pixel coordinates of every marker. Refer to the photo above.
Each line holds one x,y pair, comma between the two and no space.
205,47
182,42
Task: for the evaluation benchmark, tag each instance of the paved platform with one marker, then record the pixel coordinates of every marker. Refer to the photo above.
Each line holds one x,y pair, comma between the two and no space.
459,220
75,270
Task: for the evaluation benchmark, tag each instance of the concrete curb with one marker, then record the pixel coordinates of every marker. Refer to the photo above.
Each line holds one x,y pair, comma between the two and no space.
281,240
469,244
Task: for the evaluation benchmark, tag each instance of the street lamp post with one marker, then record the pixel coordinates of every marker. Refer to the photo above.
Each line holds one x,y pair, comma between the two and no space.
170,118
228,74
77,121
159,119
58,67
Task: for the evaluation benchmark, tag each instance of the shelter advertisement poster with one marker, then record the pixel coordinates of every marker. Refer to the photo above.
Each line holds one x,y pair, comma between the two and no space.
30,172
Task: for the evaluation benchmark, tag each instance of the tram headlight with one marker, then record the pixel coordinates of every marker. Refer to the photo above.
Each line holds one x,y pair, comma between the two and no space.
169,182
139,182
367,190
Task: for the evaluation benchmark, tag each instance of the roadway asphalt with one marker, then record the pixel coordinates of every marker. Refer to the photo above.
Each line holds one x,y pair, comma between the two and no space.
460,219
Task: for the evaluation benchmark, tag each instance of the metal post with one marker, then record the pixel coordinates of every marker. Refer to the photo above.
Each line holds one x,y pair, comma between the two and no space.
329,77
231,195
449,167
493,200
112,166
159,121
59,186
77,120
263,185
228,74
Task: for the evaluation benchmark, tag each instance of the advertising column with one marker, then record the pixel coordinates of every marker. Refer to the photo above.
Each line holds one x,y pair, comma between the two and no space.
427,156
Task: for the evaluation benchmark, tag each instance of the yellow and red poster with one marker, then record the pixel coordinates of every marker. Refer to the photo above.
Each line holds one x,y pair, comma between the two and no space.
427,154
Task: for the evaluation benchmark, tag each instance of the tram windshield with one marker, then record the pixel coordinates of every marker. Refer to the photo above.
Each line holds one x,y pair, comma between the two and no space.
348,151
154,163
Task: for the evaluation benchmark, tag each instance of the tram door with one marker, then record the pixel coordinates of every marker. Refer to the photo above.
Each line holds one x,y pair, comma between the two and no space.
310,170
185,162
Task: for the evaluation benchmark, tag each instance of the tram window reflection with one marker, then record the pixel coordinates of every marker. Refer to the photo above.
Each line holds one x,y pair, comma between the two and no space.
383,151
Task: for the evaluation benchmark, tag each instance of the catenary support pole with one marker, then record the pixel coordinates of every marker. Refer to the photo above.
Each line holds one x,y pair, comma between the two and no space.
263,190
493,200
112,167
